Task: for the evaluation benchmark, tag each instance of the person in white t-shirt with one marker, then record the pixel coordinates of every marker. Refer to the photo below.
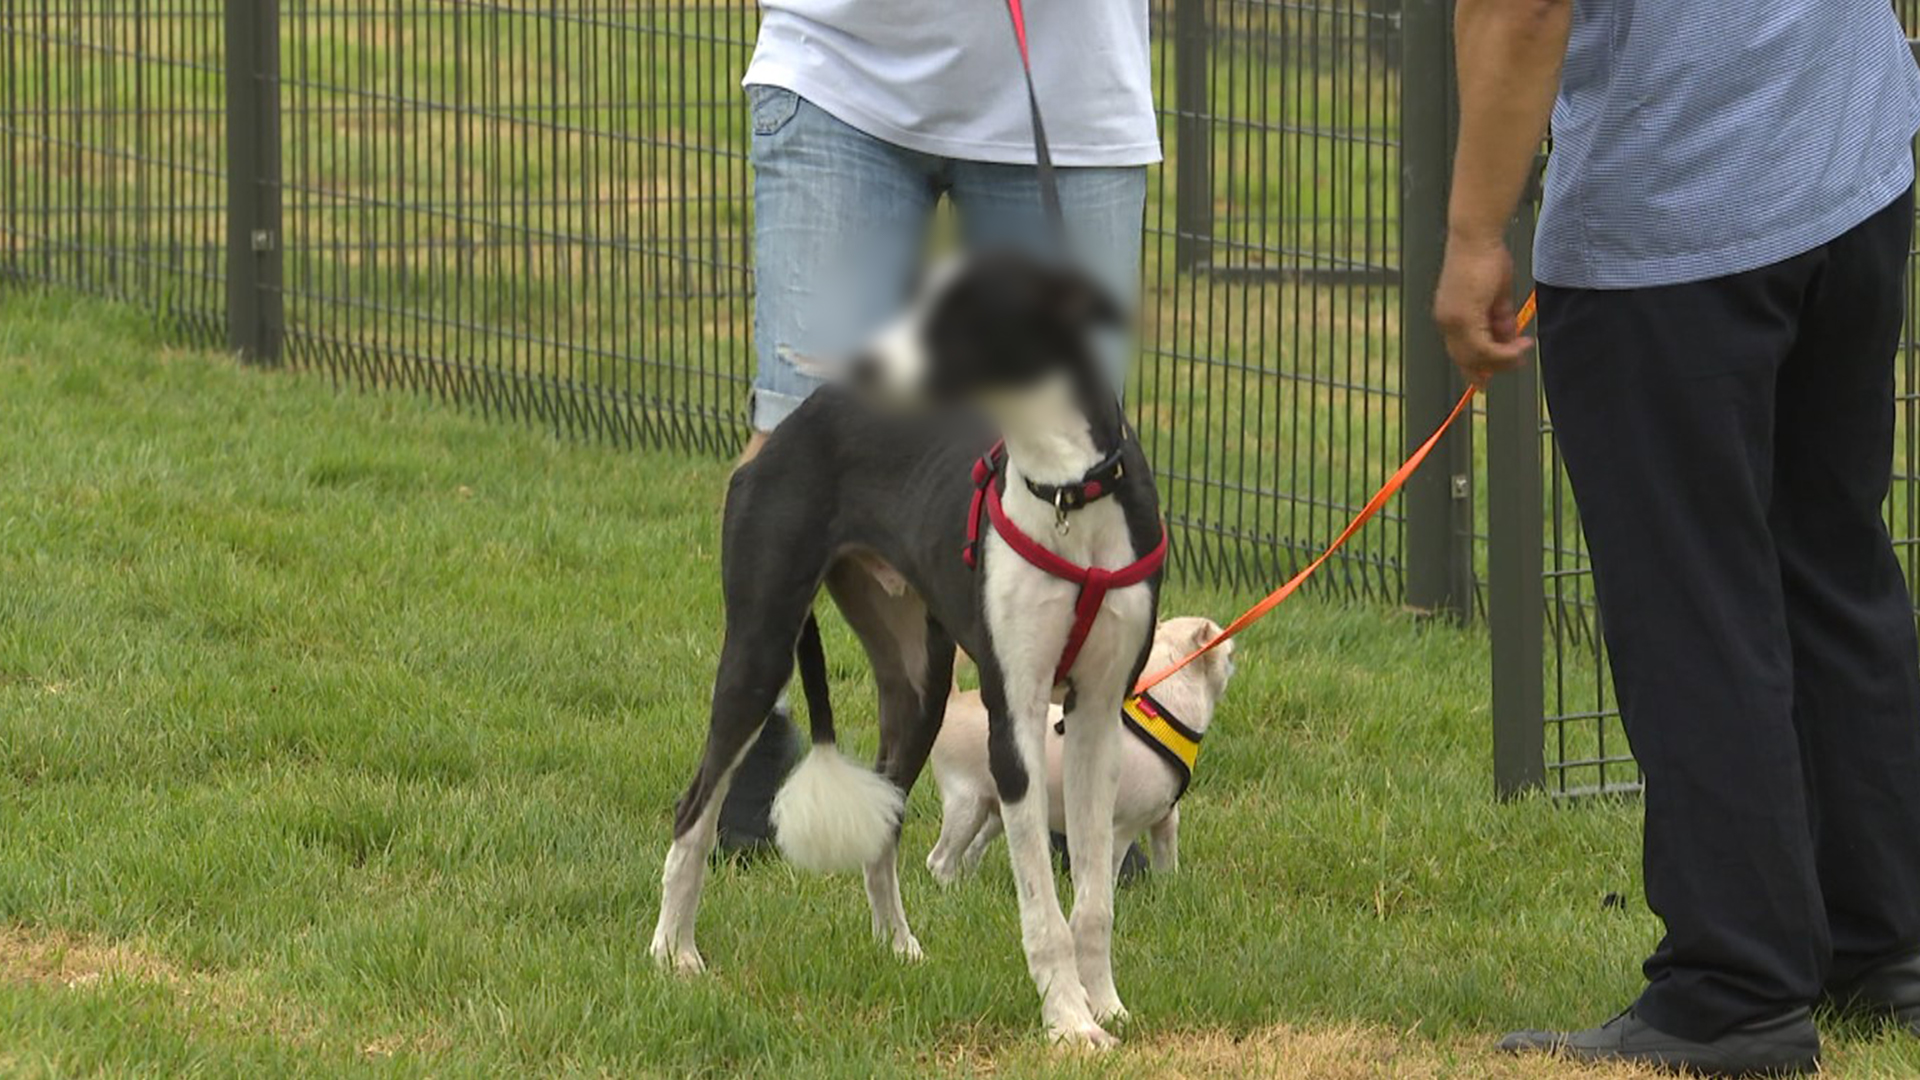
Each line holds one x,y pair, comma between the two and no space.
866,113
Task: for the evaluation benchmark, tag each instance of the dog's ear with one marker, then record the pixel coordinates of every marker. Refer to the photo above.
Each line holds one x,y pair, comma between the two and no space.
1221,658
1204,630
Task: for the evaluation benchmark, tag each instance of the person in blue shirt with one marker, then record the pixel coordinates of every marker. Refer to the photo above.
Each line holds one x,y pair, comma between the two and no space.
1721,263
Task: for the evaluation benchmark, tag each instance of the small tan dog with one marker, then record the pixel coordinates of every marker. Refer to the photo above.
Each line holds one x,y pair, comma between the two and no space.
1156,759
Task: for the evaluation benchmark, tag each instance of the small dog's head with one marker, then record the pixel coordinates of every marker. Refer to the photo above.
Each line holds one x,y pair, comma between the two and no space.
989,323
1193,692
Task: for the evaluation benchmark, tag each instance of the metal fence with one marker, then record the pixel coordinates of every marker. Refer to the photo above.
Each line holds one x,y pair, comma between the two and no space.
544,213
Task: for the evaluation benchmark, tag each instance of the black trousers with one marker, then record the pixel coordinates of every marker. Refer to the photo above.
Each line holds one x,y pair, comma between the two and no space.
1730,443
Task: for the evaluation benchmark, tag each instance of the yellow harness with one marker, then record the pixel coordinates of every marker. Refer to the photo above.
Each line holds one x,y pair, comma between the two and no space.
1175,742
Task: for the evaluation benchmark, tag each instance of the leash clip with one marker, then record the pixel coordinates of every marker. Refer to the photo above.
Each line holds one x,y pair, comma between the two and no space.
1060,521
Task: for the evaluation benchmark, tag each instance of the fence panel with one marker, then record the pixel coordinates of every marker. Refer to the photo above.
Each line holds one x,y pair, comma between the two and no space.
112,142
541,212
1269,392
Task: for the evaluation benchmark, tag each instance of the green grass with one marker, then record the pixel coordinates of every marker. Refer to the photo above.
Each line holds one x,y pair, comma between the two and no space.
339,736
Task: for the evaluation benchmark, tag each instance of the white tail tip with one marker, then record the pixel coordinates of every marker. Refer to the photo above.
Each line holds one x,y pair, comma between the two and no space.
832,815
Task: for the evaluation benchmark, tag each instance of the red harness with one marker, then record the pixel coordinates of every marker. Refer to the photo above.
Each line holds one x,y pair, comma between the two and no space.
1094,582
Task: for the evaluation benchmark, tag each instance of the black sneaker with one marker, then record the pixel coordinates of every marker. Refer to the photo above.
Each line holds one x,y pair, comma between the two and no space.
746,818
1888,991
1787,1045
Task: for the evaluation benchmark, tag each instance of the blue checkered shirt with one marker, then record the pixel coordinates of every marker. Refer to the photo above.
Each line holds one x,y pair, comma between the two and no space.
1699,138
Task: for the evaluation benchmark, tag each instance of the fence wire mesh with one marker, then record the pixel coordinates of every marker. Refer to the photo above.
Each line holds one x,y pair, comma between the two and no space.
543,213
1269,390
112,141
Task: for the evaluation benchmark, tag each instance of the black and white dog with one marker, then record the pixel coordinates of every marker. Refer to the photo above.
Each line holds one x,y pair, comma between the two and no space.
848,486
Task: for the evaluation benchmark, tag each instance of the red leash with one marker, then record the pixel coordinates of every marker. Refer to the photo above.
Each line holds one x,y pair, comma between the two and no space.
1380,499
1042,157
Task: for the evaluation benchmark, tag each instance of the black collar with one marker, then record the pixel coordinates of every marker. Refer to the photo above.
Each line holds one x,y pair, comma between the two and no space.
1098,483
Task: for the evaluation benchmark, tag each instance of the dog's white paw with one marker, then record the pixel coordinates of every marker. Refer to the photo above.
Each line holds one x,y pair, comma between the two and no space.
945,871
907,948
1081,1035
1070,1021
679,961
1112,1015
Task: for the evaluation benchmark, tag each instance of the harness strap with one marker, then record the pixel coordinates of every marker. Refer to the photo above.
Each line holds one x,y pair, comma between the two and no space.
1094,582
1149,721
984,471
1176,743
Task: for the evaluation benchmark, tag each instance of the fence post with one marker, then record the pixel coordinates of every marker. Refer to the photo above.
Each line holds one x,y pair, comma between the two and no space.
1515,542
255,306
1439,551
1193,137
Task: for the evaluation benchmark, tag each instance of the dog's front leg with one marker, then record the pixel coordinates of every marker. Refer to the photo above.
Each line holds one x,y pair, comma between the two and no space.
1090,780
1016,743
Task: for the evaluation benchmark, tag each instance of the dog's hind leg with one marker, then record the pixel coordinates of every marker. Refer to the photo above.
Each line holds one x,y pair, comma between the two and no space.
1166,842
904,748
755,663
685,874
913,668
963,816
989,832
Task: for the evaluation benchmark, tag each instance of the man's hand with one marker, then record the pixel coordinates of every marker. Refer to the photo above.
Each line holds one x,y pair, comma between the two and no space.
1508,54
1474,307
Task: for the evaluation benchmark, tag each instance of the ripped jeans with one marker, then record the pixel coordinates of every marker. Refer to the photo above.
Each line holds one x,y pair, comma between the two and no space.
842,221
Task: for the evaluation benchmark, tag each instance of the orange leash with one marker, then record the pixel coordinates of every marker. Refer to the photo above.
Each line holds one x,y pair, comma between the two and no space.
1374,505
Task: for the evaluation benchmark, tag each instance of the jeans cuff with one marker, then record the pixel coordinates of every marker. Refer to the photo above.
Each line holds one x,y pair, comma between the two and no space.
771,406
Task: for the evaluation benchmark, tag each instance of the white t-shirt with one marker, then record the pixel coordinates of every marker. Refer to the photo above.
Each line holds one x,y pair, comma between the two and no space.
943,76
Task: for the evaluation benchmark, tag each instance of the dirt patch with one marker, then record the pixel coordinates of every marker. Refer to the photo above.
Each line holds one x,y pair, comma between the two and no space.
1350,1053
1295,1053
60,958
223,1000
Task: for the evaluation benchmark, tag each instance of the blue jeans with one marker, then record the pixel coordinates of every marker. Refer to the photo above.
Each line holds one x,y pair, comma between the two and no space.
841,227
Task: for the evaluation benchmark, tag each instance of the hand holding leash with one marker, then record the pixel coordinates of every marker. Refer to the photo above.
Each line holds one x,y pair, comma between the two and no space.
1380,499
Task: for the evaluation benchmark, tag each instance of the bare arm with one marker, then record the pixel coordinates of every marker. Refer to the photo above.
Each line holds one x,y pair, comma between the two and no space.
1508,54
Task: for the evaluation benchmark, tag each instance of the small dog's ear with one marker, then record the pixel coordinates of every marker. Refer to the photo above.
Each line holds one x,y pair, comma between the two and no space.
1221,658
1206,631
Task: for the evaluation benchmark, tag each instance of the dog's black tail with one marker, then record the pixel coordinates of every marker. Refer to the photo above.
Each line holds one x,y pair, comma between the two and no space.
832,814
812,658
